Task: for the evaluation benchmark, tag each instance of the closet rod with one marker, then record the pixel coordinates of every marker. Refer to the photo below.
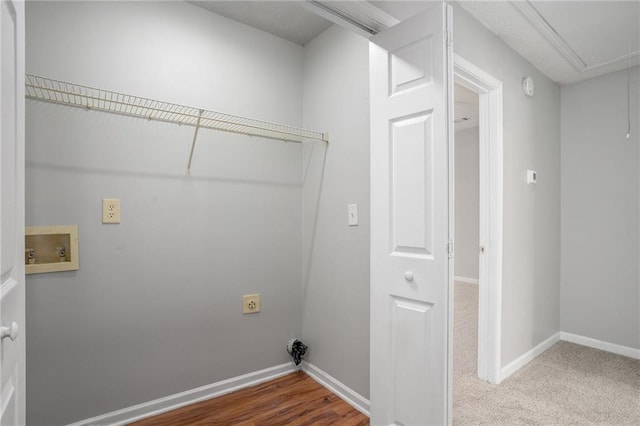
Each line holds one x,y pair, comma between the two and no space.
61,92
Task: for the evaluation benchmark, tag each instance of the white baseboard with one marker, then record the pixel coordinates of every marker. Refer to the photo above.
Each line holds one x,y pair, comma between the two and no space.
466,280
350,396
518,363
602,345
525,358
171,402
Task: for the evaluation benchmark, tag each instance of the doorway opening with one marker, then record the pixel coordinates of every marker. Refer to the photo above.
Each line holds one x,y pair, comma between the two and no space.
467,239
473,81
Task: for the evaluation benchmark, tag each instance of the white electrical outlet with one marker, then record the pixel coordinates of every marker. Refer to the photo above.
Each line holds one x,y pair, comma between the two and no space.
110,210
250,303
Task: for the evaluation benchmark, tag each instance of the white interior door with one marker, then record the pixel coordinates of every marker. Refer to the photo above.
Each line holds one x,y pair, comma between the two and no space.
12,363
411,76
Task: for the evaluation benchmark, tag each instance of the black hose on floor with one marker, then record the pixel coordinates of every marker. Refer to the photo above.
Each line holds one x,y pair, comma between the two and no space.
296,349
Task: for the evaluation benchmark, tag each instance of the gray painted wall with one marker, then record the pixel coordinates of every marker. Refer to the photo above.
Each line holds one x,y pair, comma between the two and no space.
531,271
99,337
467,196
336,256
600,295
155,308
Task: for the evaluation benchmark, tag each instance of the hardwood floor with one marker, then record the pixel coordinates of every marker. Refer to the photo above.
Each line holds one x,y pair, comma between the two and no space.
294,399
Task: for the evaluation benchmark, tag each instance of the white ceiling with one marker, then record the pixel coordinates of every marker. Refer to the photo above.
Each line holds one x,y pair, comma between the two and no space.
615,24
568,41
284,19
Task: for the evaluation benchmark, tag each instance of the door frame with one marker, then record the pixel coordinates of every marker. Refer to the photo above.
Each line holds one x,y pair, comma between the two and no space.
489,90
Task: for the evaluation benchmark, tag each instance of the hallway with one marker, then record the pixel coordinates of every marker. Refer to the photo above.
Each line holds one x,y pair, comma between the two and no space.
567,384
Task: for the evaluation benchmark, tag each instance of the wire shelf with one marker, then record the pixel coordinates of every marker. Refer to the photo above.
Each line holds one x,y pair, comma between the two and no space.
60,92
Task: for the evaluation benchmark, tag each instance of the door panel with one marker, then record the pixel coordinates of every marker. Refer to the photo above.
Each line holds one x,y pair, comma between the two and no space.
411,66
410,336
411,185
8,128
11,362
410,73
12,278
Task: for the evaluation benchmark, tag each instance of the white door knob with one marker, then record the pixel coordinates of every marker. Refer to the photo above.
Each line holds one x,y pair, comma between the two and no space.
408,275
11,332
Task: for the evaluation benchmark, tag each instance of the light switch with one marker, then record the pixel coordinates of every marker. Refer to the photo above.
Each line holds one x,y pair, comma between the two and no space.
353,214
532,177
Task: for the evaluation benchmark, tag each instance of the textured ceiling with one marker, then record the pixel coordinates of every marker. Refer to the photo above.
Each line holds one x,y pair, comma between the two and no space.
402,9
568,41
284,19
594,31
614,23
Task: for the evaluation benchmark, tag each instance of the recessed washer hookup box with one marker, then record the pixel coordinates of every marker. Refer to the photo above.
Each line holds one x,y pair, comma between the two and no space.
51,249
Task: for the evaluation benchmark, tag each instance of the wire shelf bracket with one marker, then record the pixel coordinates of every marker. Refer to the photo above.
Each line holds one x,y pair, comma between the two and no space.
193,144
60,92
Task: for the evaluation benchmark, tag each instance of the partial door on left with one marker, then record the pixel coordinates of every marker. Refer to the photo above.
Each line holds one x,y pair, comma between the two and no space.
12,278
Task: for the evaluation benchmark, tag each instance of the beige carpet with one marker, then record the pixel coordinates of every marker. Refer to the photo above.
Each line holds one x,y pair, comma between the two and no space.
567,385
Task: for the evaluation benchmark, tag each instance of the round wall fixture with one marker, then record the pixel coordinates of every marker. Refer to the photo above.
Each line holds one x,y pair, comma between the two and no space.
527,86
